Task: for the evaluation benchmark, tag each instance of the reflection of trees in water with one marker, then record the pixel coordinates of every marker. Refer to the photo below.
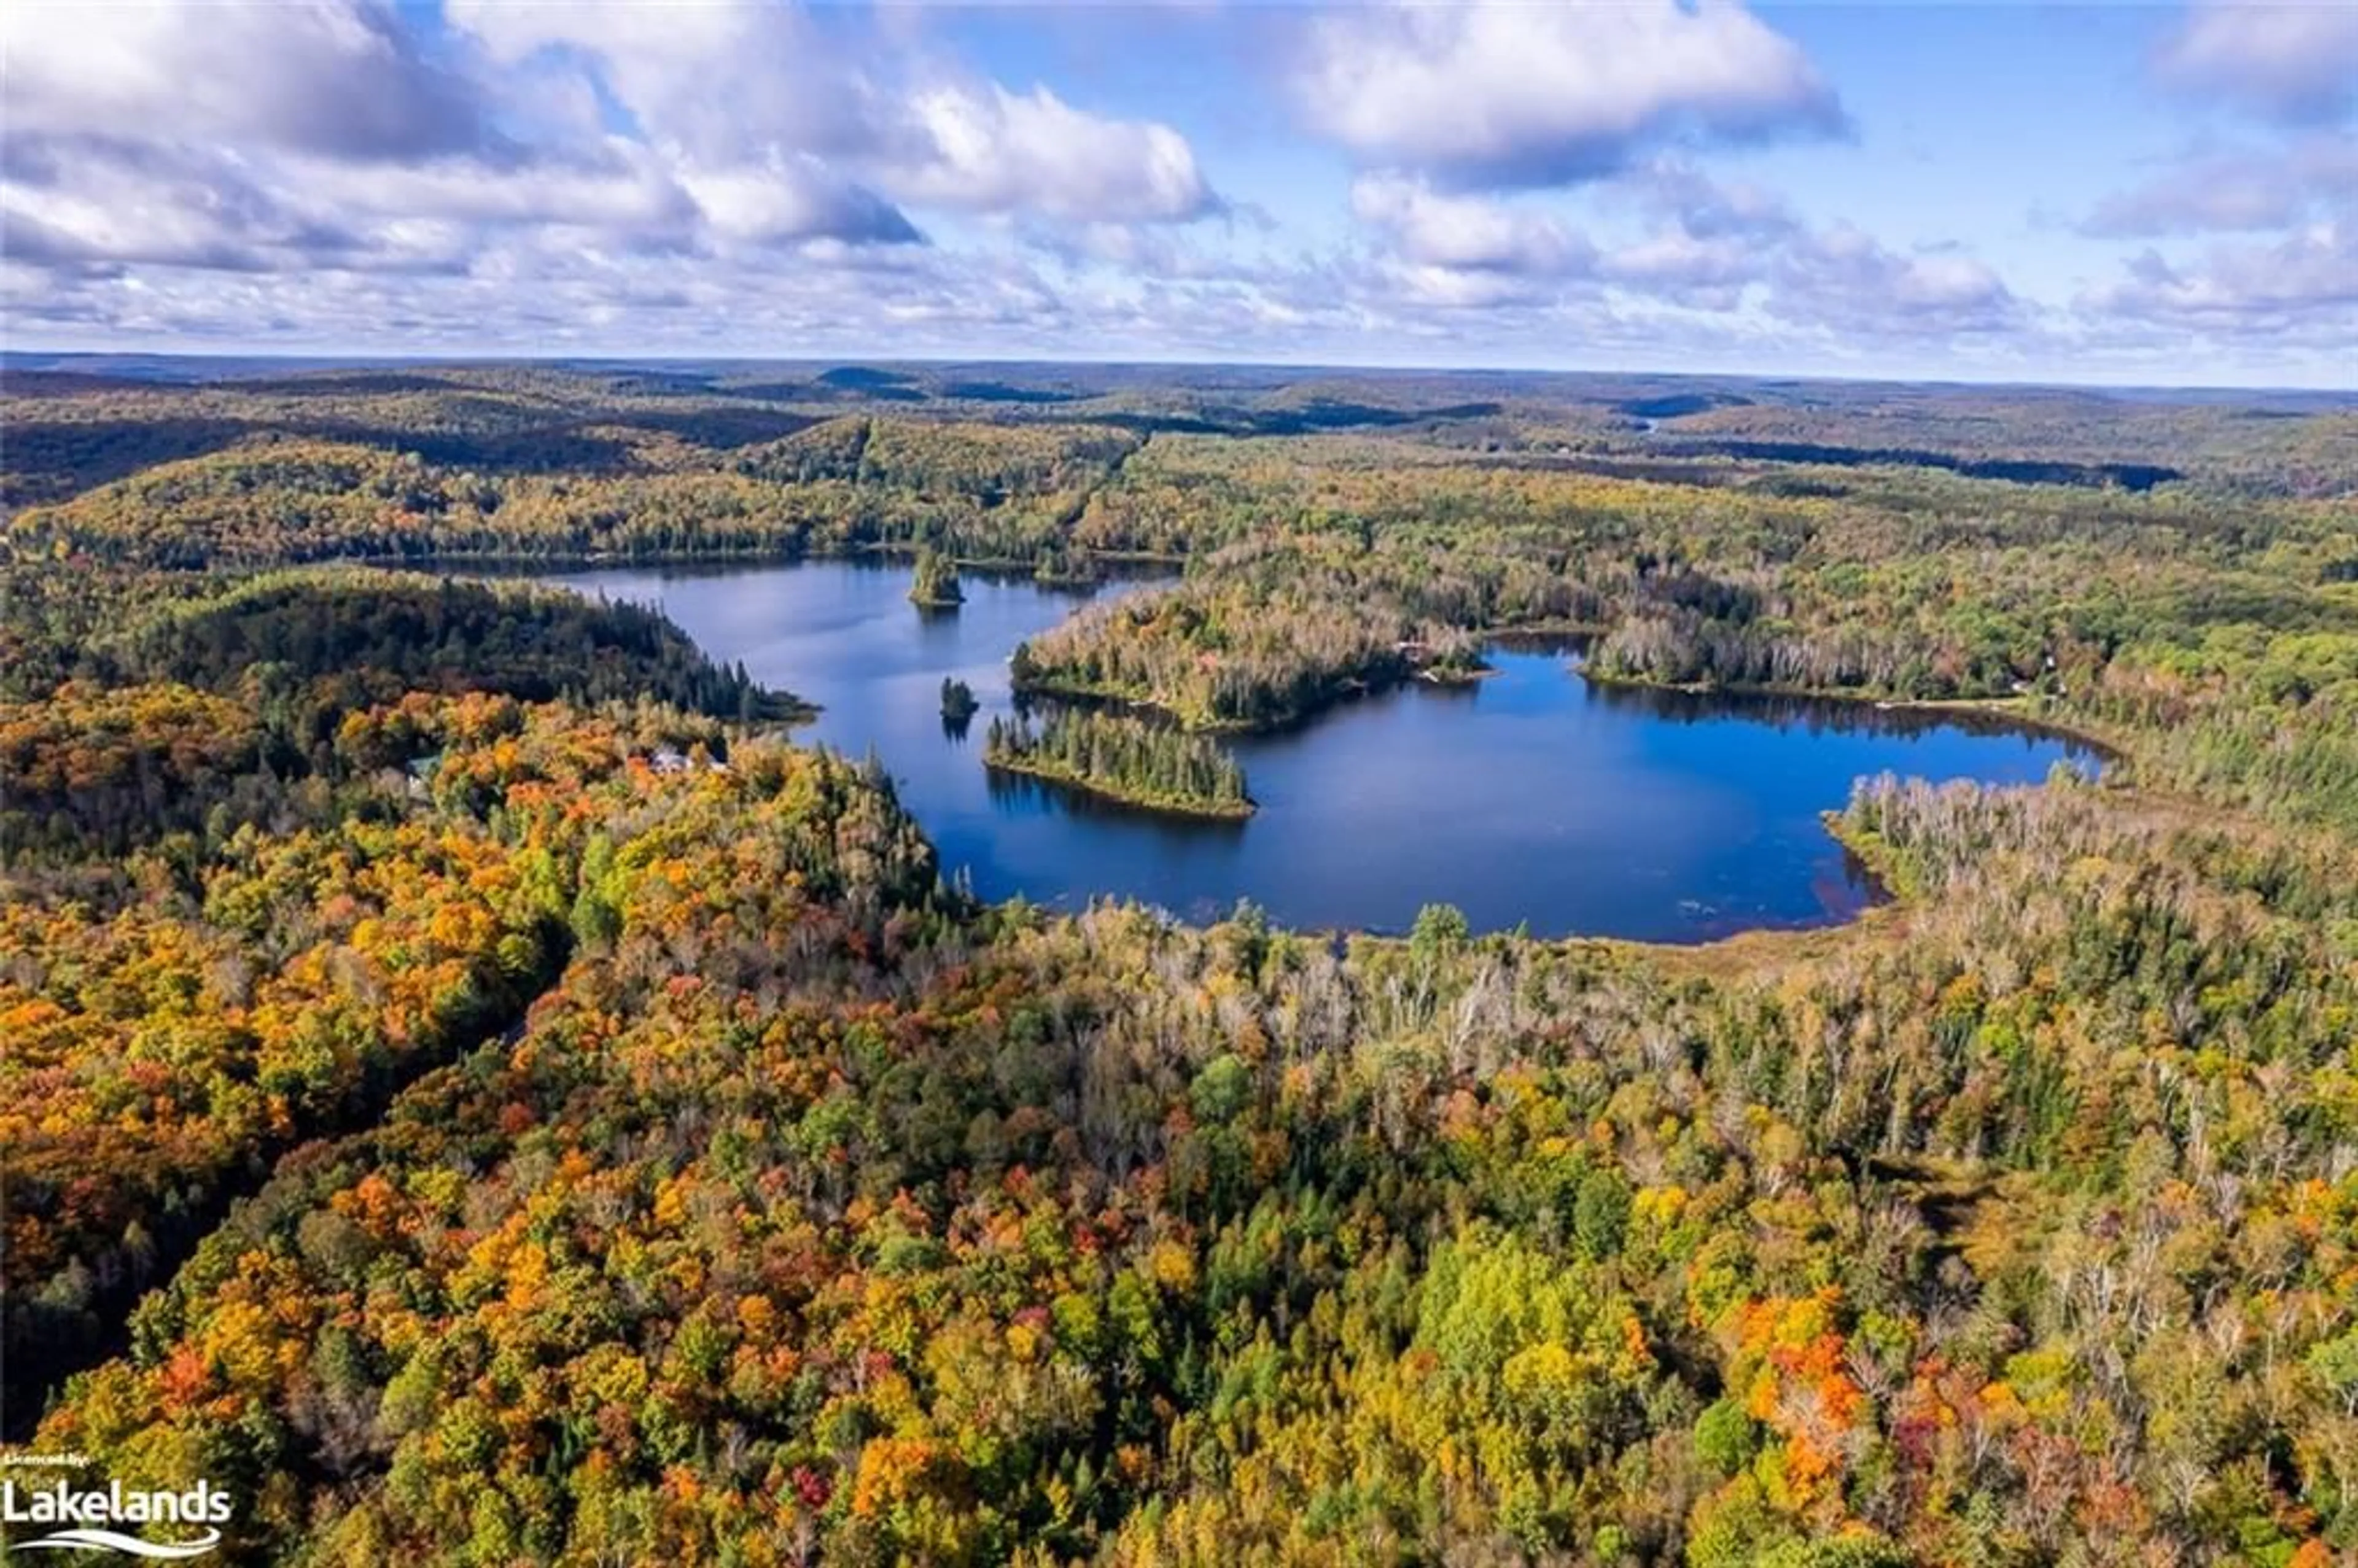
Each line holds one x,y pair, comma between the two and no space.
1030,792
1115,577
1843,893
1547,644
1824,715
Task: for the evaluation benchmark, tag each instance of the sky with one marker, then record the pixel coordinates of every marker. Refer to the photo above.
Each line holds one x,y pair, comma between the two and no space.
2161,194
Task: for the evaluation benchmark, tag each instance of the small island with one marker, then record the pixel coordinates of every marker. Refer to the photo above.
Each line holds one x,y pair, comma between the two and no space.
1128,760
935,583
1447,657
959,702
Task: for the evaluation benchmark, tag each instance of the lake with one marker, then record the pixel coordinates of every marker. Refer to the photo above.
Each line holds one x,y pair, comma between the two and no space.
1529,797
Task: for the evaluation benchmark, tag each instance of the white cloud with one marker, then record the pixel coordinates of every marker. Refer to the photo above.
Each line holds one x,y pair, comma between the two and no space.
1707,274
717,82
787,197
2225,193
623,176
1706,250
2293,62
2295,280
744,87
995,151
610,185
97,204
2240,190
1503,94
327,77
1465,233
1844,277
1708,209
341,134
2305,281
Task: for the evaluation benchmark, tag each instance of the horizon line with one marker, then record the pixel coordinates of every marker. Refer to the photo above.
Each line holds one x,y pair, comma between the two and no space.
457,361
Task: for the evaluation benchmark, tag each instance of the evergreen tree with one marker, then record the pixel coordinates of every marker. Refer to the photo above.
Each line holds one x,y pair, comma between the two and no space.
935,583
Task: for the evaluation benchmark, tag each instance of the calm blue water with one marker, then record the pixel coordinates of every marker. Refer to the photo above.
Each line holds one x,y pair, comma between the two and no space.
1530,797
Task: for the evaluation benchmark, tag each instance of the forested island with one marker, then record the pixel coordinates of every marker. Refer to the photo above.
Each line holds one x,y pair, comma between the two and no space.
1122,759
479,1091
934,582
1222,652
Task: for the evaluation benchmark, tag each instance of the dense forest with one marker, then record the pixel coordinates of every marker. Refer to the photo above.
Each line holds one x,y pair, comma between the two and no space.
1224,652
1122,759
478,1092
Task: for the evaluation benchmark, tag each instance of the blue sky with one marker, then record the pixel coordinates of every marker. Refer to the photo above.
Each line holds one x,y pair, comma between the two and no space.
2119,193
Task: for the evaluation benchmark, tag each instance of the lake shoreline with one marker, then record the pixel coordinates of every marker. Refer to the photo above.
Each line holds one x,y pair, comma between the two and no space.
1365,683
2008,712
1521,795
1160,805
1131,565
1134,701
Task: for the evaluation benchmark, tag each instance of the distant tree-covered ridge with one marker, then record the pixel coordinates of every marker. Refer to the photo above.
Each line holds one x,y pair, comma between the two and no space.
981,494
1123,759
71,432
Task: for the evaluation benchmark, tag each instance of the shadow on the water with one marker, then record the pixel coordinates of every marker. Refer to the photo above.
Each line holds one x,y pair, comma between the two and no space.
1029,794
1825,715
1114,577
1551,644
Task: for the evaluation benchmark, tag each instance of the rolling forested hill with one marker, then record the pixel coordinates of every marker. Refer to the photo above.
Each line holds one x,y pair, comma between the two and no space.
478,1091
